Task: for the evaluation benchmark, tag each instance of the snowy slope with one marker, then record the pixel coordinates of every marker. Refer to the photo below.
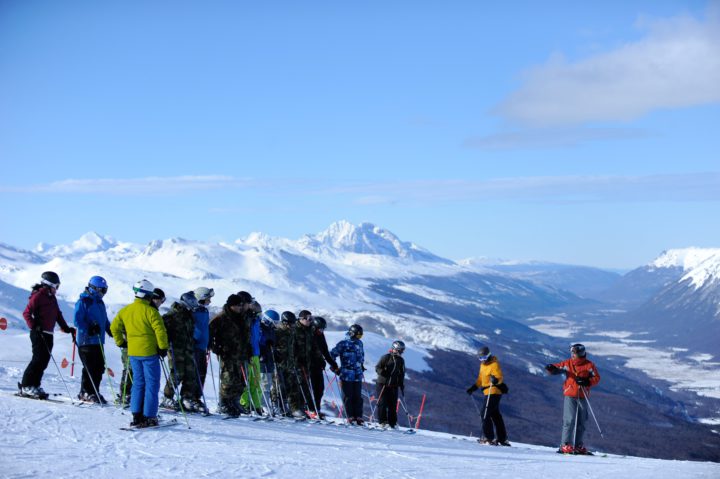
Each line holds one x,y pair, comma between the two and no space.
42,439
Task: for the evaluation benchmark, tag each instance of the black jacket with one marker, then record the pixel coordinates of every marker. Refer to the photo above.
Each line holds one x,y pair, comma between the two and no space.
391,370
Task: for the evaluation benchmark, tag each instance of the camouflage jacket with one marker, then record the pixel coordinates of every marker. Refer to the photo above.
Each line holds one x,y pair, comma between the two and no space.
305,347
284,348
230,335
180,324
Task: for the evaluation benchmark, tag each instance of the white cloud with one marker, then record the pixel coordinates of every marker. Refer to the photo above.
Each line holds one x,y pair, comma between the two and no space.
677,64
131,186
552,138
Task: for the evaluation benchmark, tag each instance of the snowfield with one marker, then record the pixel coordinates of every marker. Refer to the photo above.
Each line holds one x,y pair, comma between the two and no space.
60,440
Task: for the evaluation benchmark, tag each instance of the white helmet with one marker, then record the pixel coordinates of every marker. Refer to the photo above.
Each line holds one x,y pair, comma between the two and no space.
143,289
202,293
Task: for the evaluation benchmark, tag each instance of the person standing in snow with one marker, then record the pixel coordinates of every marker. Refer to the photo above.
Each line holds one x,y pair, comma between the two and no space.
352,356
41,314
490,380
390,371
92,323
252,397
147,342
304,350
286,366
320,357
202,321
268,322
180,326
580,375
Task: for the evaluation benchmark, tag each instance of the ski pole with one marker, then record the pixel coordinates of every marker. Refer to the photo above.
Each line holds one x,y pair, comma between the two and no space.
382,390
164,368
330,386
107,370
577,410
302,391
72,365
422,406
308,381
247,390
265,397
86,372
591,411
202,390
474,401
364,389
128,377
487,406
407,413
42,335
212,376
277,381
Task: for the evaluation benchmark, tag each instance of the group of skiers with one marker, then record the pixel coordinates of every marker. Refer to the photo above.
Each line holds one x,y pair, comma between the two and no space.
259,351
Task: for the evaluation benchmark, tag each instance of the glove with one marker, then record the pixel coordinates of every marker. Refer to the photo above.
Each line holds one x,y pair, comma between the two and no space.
493,380
363,368
37,327
582,381
71,331
162,352
335,369
94,329
551,368
122,345
471,389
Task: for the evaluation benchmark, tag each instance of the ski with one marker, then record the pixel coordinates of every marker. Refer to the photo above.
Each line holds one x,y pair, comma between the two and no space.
172,422
48,399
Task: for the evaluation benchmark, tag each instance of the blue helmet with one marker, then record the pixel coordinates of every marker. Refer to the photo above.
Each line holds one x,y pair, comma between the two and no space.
98,284
270,317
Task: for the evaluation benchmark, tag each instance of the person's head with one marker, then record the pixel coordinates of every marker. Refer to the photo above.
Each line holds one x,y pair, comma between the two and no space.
288,318
97,286
398,347
483,353
204,295
305,318
189,301
158,297
577,350
319,323
50,280
355,331
235,303
143,289
270,318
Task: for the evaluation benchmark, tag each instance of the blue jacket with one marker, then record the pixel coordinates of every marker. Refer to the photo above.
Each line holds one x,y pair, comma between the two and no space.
267,341
255,336
89,310
202,328
352,357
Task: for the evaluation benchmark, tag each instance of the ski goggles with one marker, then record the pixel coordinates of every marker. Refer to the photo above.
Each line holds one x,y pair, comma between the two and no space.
484,358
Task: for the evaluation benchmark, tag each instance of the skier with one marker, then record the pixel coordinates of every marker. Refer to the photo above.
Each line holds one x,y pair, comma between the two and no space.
268,323
352,356
41,314
230,340
180,326
321,356
580,375
490,380
92,323
286,366
252,367
202,320
304,350
158,299
391,378
147,342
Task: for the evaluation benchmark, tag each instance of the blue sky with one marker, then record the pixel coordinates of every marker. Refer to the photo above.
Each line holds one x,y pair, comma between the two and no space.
569,132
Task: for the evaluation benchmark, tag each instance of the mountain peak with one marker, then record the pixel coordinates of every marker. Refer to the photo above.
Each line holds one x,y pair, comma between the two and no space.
88,243
685,258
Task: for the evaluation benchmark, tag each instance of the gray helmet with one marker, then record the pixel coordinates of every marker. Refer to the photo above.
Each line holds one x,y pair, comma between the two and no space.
202,293
398,346
578,349
189,300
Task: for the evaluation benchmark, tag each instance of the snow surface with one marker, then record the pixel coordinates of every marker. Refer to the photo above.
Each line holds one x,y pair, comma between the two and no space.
43,439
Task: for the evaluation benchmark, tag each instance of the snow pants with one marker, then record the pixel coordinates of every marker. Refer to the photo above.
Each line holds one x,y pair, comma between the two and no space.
352,398
252,397
232,383
387,404
146,385
317,379
573,430
93,368
42,345
126,380
492,417
201,363
183,375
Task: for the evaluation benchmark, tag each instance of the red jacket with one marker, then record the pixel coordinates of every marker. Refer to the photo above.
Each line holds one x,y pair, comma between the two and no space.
43,307
578,367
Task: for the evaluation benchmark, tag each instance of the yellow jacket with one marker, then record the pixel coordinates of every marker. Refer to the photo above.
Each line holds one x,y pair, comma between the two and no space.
491,367
143,327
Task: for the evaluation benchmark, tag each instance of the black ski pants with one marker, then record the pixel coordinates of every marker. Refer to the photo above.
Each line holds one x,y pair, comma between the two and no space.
42,345
491,413
352,398
317,378
201,363
387,404
93,367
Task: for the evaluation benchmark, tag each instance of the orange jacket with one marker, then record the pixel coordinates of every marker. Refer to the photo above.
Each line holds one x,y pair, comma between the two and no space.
578,367
491,367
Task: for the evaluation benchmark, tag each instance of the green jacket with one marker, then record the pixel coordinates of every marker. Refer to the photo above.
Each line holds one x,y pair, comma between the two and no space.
143,326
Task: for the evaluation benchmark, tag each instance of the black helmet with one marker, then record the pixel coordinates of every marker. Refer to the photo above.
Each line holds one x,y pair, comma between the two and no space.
50,278
158,294
398,346
484,353
245,297
355,331
319,322
578,349
288,317
304,314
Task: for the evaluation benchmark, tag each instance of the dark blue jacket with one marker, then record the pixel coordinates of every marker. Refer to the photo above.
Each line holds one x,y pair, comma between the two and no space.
352,357
267,341
89,310
202,328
